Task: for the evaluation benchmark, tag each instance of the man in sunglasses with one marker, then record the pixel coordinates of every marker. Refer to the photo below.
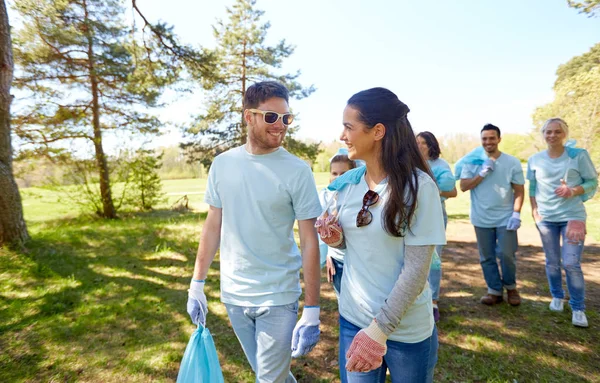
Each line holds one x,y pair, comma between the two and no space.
497,194
255,192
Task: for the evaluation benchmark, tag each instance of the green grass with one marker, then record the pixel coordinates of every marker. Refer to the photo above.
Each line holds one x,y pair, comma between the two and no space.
104,301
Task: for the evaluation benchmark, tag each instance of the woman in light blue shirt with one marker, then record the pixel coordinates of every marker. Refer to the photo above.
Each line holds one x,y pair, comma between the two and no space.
430,149
561,179
391,216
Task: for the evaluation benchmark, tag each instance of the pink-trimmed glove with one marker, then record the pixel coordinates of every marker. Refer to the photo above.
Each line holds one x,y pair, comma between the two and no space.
330,231
367,349
576,231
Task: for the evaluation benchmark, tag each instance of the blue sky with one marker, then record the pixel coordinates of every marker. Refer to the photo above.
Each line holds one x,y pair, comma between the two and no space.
457,64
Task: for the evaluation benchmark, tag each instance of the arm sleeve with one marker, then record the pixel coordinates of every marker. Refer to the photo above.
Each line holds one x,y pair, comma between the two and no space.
407,288
588,173
211,196
468,171
531,178
305,198
427,224
517,174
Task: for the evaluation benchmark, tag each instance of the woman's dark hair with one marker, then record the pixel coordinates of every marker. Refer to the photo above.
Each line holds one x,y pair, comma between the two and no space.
343,158
400,155
432,144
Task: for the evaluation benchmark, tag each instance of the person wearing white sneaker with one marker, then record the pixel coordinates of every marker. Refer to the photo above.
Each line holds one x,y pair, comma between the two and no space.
579,319
561,179
557,304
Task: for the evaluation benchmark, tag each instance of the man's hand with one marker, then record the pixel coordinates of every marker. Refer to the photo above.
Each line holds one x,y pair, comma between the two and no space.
306,333
196,304
487,167
514,222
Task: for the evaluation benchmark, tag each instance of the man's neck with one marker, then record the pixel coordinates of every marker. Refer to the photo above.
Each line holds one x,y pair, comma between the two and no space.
494,155
258,150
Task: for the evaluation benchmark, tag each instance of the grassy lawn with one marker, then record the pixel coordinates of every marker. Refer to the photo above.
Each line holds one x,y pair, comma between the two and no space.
104,301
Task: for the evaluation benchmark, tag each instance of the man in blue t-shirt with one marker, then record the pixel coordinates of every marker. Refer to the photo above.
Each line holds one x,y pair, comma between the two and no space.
255,192
497,195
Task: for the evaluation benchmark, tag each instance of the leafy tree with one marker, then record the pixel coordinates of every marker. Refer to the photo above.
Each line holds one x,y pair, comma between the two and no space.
85,73
578,64
586,6
243,58
577,100
13,230
145,187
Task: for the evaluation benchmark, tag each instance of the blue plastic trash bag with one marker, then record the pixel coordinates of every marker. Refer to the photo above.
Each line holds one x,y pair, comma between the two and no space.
476,156
200,362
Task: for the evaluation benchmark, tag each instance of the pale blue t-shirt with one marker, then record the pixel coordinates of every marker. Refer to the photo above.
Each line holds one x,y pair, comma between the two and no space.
374,259
325,196
492,201
547,172
261,197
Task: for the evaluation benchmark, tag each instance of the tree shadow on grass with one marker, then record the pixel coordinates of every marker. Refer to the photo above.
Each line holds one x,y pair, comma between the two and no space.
504,343
100,300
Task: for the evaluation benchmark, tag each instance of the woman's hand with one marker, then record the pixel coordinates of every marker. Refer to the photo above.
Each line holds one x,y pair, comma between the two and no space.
564,190
330,269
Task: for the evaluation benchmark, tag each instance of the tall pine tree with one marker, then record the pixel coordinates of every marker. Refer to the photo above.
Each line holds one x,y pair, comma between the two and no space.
13,230
243,59
85,73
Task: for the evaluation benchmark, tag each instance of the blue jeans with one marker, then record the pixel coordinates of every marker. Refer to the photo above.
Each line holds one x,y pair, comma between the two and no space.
568,257
497,242
337,278
265,334
407,362
435,276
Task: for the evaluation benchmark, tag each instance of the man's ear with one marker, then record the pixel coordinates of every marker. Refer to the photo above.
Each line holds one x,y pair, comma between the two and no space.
248,116
378,131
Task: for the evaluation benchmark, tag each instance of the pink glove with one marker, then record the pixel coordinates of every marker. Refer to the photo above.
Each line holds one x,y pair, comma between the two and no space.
330,231
367,349
564,190
576,231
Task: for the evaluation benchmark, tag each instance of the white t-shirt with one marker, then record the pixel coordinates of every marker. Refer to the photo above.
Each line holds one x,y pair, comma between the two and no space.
374,259
261,197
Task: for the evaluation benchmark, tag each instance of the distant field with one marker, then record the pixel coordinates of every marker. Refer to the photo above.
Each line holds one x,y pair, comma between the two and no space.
42,204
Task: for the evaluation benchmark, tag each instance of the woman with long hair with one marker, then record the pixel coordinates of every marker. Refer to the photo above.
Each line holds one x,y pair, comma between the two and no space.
442,173
561,178
391,216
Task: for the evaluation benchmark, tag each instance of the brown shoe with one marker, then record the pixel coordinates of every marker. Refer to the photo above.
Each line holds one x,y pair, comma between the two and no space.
513,297
490,299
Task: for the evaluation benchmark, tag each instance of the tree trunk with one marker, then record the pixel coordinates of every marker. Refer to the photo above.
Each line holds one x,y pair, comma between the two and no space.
108,207
13,230
243,129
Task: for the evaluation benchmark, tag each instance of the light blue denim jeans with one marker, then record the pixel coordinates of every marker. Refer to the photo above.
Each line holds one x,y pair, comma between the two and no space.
498,243
265,334
407,362
435,275
567,257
